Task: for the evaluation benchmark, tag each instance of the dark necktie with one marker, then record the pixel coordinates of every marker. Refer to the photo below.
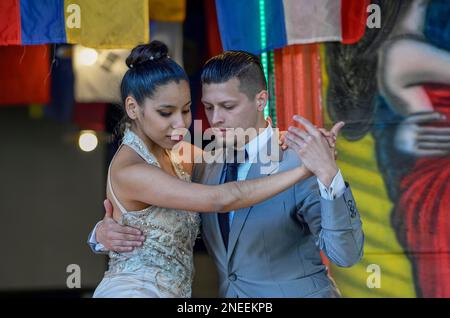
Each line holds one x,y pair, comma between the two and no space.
224,222
231,173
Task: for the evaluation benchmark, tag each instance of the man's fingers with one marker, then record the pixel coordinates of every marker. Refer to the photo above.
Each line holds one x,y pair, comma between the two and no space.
123,243
325,132
108,208
130,230
293,146
122,249
298,132
115,227
294,142
337,128
127,237
281,138
307,124
329,137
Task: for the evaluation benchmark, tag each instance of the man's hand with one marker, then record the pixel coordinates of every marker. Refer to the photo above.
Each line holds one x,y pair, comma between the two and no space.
313,149
331,137
116,237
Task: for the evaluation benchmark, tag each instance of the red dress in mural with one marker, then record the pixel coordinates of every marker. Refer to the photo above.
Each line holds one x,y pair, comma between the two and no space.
424,207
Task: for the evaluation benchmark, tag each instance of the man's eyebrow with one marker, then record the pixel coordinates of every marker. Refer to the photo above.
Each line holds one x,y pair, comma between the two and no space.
228,102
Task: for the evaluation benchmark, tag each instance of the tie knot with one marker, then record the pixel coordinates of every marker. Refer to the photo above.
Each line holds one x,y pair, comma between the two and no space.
236,157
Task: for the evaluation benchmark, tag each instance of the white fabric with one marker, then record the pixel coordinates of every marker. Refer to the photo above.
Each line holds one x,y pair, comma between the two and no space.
98,73
312,21
336,188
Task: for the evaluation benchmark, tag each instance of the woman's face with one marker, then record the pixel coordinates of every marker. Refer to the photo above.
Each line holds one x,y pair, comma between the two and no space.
166,117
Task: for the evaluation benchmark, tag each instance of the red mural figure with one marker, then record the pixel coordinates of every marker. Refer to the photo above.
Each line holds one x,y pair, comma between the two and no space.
414,79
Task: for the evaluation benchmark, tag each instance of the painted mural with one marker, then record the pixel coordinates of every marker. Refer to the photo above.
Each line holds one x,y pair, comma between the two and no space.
392,89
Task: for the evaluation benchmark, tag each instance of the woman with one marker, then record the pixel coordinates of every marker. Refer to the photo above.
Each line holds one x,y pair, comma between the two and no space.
152,193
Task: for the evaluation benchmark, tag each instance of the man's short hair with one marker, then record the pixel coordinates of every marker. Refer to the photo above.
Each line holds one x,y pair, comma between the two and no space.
240,64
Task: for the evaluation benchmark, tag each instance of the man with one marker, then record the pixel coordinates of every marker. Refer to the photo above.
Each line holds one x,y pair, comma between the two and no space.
271,249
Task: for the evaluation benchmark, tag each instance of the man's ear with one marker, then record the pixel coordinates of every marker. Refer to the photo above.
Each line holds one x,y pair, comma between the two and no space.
131,107
261,100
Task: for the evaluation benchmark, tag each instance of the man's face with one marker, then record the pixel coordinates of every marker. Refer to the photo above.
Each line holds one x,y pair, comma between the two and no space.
226,107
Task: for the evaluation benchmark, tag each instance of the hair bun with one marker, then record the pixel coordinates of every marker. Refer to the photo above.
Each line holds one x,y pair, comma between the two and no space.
153,51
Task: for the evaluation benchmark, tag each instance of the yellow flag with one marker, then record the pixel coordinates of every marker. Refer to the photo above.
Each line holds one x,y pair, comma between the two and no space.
167,11
107,23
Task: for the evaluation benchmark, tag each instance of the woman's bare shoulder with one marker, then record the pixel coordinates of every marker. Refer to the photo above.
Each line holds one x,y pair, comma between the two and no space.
125,157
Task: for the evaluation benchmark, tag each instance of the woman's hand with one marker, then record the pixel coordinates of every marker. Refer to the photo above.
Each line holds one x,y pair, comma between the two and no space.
415,136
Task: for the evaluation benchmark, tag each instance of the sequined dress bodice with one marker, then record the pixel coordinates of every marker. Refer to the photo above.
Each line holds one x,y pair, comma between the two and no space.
166,255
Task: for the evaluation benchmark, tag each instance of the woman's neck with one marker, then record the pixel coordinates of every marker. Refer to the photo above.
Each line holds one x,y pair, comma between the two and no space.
153,147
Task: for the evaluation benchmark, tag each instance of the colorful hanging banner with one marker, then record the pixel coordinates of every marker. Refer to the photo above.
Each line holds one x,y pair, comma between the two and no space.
99,23
107,23
287,22
167,11
10,22
25,74
98,73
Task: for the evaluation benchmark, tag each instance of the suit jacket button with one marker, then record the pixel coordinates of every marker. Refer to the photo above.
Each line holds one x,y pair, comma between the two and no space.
232,277
352,208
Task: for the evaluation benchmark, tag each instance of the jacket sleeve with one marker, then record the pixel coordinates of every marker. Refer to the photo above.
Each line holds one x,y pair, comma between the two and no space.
336,224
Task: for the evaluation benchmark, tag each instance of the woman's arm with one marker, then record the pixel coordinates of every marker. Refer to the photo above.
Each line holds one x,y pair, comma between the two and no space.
407,61
151,185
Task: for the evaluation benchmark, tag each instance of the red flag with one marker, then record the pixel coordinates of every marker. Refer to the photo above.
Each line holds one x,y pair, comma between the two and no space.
25,74
10,22
353,19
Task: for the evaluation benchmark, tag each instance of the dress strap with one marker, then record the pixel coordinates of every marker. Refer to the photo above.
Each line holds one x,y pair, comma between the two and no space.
134,142
119,205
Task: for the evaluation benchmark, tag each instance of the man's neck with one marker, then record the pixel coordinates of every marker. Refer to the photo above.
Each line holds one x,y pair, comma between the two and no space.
259,130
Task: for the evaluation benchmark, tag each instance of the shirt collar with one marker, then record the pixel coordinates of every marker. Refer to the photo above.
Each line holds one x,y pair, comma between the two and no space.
257,143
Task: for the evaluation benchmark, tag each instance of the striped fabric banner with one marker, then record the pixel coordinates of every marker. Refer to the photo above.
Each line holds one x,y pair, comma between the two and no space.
261,25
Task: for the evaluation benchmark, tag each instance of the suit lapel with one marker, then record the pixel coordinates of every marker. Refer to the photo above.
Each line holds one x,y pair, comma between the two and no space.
213,177
257,170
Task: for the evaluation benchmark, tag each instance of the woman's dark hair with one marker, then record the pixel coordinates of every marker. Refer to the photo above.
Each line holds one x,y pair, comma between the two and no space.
149,67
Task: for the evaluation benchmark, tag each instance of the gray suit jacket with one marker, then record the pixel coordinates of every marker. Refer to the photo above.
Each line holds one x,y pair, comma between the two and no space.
274,246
